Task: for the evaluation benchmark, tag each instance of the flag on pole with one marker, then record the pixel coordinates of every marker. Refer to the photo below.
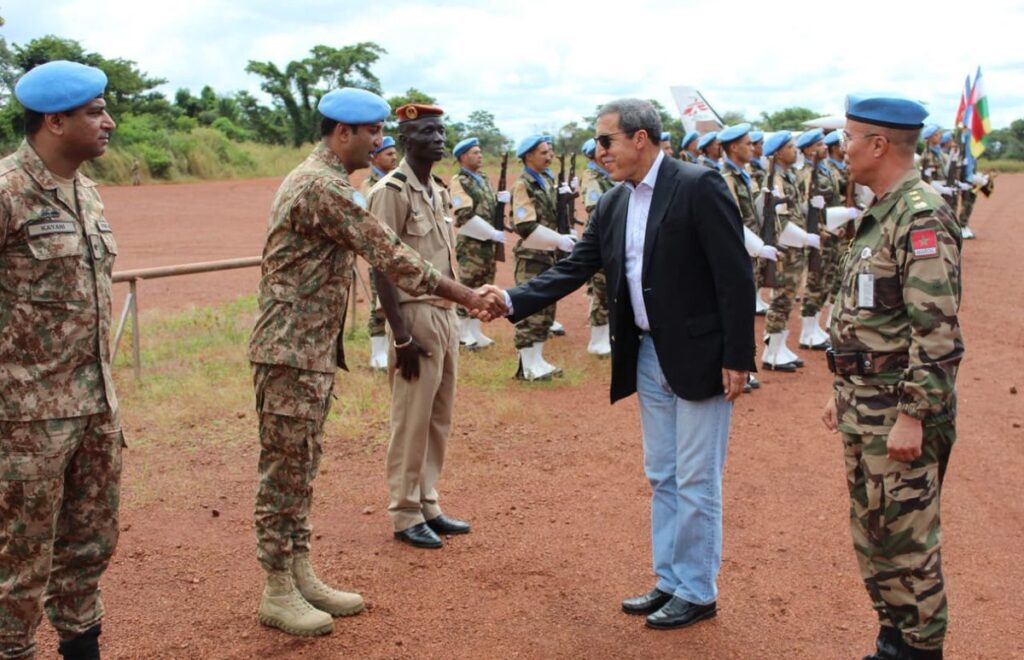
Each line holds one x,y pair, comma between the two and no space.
965,96
980,125
694,110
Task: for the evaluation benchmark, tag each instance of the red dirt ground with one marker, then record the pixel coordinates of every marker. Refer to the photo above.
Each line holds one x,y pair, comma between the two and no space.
559,502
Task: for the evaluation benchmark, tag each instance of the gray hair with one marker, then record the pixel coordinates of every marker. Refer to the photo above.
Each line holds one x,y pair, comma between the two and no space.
634,115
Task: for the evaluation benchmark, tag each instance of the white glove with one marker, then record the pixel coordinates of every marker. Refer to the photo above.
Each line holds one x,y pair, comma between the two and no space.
768,252
814,241
777,191
941,189
564,190
780,208
575,236
566,243
575,183
964,186
504,197
980,179
498,236
818,202
929,171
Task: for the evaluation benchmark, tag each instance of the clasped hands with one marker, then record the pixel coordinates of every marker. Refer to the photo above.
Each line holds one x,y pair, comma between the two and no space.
488,303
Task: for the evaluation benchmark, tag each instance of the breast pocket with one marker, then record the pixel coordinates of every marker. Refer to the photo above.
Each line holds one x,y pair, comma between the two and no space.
57,267
419,225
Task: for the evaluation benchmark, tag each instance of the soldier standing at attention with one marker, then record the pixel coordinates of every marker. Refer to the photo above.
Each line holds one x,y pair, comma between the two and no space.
931,160
666,144
594,183
60,427
385,159
758,167
820,191
710,150
534,200
318,224
837,170
688,147
424,332
897,347
473,202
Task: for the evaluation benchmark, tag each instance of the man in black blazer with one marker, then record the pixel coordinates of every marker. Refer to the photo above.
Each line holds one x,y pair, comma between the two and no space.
680,284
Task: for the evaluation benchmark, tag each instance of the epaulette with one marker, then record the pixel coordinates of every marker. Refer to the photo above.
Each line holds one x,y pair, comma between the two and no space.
394,186
922,200
398,175
439,181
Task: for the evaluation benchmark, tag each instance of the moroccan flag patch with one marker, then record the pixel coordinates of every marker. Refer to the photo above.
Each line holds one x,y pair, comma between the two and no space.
924,243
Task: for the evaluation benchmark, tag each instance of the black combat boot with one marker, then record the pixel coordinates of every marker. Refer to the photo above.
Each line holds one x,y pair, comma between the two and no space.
888,645
910,653
84,647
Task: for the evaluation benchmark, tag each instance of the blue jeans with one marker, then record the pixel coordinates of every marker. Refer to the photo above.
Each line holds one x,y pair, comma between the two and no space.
685,444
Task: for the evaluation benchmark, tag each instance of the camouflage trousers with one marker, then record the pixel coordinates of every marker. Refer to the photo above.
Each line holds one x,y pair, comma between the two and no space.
476,264
598,291
375,324
783,297
967,206
536,327
60,491
819,285
894,518
292,405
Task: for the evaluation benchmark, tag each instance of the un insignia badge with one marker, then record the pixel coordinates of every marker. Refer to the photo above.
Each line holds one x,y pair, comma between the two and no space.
358,198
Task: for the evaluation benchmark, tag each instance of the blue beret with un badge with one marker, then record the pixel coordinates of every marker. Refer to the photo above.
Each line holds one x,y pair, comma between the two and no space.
59,86
929,131
888,111
733,132
809,138
776,141
350,105
529,143
756,136
465,145
589,148
707,139
688,138
665,136
946,137
835,137
386,143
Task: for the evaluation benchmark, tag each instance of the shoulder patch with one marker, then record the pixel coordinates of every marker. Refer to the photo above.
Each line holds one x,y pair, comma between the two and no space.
521,212
393,186
358,198
398,175
924,243
456,199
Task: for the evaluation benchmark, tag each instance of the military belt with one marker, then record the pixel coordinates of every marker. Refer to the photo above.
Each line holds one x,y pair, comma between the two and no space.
865,363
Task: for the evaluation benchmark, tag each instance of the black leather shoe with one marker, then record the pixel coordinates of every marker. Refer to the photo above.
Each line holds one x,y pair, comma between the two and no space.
823,346
445,525
420,536
888,644
679,613
788,367
753,382
651,601
83,647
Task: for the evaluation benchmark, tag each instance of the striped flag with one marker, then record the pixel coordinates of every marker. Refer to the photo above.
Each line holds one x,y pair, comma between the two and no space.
980,124
961,112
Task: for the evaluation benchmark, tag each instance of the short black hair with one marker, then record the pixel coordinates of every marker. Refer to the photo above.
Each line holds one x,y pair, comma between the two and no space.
327,126
33,121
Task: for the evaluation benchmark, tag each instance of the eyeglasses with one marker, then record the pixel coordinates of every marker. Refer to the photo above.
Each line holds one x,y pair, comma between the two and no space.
847,137
606,140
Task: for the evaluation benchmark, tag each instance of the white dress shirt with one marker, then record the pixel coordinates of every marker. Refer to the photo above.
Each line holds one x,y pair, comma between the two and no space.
636,231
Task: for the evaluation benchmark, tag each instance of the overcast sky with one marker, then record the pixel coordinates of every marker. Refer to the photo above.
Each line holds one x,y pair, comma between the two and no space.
539,64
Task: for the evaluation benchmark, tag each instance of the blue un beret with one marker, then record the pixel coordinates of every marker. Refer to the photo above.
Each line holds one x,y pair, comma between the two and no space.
529,143
891,112
464,146
688,138
946,137
707,139
776,141
665,136
930,131
756,136
734,132
589,148
835,137
386,143
59,86
350,105
809,138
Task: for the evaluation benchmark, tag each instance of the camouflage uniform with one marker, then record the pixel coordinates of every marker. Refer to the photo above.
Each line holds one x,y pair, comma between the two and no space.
316,228
471,195
967,200
819,284
758,174
709,163
534,202
375,323
60,430
741,185
932,165
838,172
687,156
594,183
910,243
792,258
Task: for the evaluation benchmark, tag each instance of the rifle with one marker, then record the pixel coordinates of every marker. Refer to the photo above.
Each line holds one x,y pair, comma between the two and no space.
954,173
561,208
769,269
499,208
572,203
813,217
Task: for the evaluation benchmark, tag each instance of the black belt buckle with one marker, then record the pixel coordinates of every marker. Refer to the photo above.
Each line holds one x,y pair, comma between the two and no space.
830,358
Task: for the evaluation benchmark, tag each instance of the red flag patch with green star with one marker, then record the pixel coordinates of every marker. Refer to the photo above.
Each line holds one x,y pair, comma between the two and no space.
925,243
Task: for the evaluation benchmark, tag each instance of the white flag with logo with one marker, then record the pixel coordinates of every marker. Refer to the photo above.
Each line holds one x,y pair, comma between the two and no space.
694,110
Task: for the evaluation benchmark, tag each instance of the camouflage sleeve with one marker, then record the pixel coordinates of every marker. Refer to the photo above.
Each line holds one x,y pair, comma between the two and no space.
524,213
5,217
929,259
591,193
350,224
730,183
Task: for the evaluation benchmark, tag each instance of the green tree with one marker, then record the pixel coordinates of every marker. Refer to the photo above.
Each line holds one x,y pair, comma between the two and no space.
571,137
481,125
732,117
788,119
298,87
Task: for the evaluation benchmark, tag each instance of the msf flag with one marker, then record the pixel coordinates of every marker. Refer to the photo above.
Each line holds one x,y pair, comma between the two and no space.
694,110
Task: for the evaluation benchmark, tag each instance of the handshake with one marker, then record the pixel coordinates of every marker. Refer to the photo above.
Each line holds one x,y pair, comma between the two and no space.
487,303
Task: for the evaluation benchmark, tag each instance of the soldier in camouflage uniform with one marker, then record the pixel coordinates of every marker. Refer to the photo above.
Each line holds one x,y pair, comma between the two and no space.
821,191
60,427
318,224
688,147
933,163
385,159
534,203
474,202
837,170
710,151
595,182
758,167
897,347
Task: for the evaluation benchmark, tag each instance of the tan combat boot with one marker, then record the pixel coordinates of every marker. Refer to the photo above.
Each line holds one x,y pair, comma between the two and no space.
321,596
283,607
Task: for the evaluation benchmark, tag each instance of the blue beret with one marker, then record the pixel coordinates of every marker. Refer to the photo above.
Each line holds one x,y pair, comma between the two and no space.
386,143
930,131
350,105
665,136
776,141
734,132
809,138
707,139
59,86
756,136
888,111
688,138
946,137
589,148
835,137
529,143
465,145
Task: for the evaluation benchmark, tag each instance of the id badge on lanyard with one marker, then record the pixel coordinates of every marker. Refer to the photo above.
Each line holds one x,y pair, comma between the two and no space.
865,283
